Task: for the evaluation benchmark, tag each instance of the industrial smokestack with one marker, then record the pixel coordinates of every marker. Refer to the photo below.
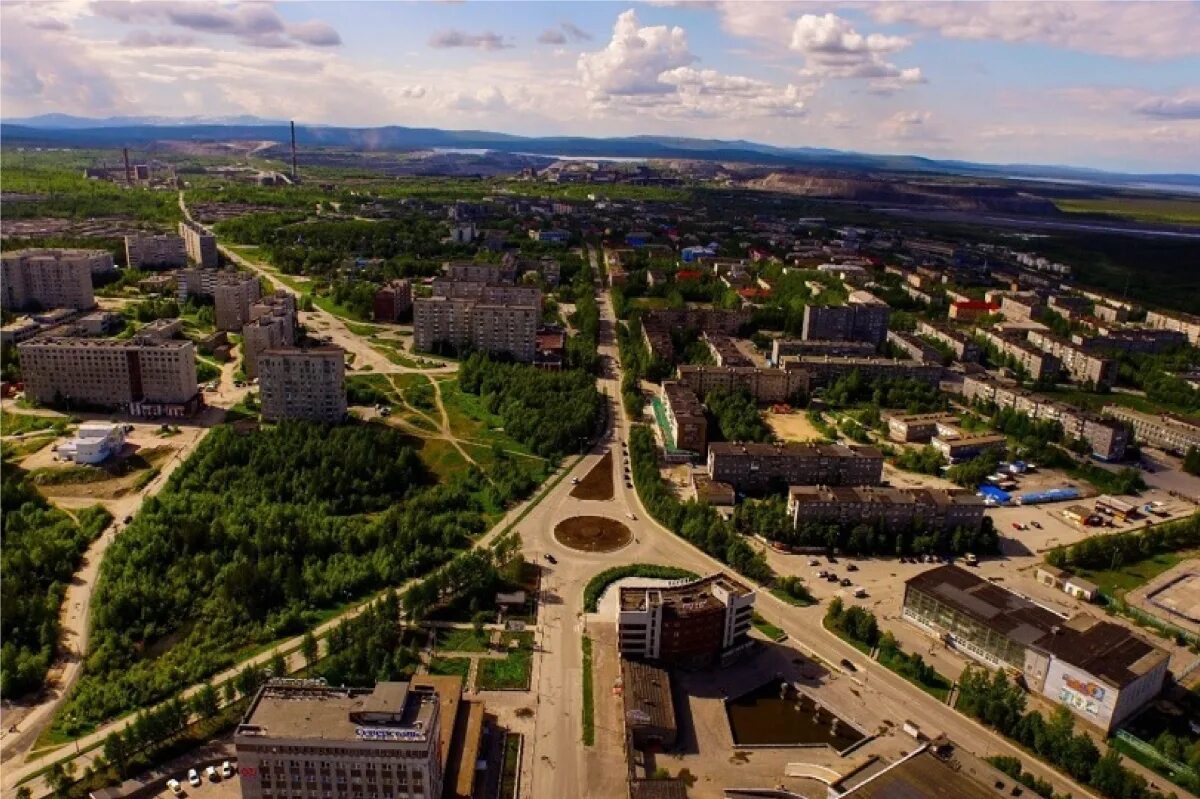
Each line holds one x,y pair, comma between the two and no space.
294,176
128,173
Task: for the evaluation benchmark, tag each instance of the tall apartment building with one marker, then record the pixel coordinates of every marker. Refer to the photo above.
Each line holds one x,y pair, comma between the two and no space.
684,622
1038,364
824,370
685,417
50,278
861,321
393,301
489,318
1166,431
201,246
764,385
755,467
783,347
892,509
1183,323
965,348
143,375
302,739
1099,670
233,295
1108,439
1082,366
155,252
272,326
305,383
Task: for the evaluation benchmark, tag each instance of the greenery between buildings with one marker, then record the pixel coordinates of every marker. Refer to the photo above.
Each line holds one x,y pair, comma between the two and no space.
1121,549
736,416
765,627
589,702
596,586
914,396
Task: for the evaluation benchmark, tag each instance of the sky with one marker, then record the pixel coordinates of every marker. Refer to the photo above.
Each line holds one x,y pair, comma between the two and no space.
1112,85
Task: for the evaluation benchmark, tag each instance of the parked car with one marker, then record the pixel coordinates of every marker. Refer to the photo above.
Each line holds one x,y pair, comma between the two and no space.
1037,525
813,561
846,582
831,577
175,787
211,773
226,769
1016,526
847,665
574,481
550,558
193,778
850,567
822,573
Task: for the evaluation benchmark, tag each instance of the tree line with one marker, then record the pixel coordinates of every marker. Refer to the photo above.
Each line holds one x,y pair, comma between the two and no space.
41,548
1119,549
913,396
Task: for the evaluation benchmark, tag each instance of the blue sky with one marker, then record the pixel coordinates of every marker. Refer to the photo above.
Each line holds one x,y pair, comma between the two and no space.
1112,85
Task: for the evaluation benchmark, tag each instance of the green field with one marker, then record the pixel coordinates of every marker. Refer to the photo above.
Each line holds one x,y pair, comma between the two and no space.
511,672
1126,577
462,640
1138,209
766,628
12,424
458,667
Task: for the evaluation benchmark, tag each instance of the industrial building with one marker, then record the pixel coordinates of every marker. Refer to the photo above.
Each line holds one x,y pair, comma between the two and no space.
144,376
1099,670
50,278
487,317
858,321
888,508
649,707
685,417
200,245
308,383
155,252
393,301
764,385
684,621
1166,431
756,467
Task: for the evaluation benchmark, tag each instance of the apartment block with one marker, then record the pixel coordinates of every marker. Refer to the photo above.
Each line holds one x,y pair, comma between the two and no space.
155,252
1133,339
707,320
965,348
473,272
862,321
891,509
659,344
685,416
685,622
1038,364
971,310
200,245
1082,366
724,350
305,383
135,375
1110,313
1183,323
489,318
1107,438
393,301
233,295
766,386
826,370
784,347
272,326
915,347
1025,306
1166,431
50,278
917,427
755,467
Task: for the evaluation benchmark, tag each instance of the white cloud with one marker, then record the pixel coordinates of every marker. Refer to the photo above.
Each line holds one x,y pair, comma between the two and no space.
1125,29
634,58
706,91
906,125
832,48
256,24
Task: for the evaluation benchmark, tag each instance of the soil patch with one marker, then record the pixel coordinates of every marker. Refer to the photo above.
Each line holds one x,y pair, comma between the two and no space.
598,484
592,534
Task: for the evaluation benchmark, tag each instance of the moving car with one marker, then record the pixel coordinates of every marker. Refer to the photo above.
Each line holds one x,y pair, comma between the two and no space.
193,778
574,481
551,558
850,567
846,664
1037,525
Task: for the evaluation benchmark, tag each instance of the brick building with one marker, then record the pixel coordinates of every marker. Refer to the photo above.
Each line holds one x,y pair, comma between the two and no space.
393,301
891,509
755,467
684,621
685,416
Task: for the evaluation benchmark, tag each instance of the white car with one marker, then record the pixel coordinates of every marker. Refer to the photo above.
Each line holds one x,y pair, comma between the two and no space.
193,778
175,787
226,769
631,516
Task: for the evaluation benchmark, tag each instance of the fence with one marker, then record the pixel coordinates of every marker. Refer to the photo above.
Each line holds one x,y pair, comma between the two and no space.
1149,751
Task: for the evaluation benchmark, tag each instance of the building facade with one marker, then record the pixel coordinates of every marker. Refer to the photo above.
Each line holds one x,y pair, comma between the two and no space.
1167,431
200,245
490,318
155,252
755,467
764,385
824,370
393,301
917,427
303,384
233,295
1082,366
854,322
1037,364
1181,323
685,416
891,509
684,621
50,278
956,449
964,347
783,347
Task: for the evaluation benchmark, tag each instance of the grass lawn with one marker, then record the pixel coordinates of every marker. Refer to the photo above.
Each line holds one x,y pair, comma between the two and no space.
766,628
12,424
442,458
469,419
327,305
510,673
1141,209
937,686
462,640
589,702
459,667
859,645
17,449
784,596
1125,577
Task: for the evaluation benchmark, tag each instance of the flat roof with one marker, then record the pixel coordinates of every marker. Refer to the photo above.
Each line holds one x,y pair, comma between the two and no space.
71,342
882,496
646,695
682,399
796,450
303,709
923,776
1103,649
684,594
987,603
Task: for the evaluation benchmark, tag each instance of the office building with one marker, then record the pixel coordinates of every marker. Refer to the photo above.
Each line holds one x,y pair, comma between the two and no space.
955,449
490,318
200,245
155,252
917,427
891,509
1183,323
756,467
1166,431
305,383
1082,366
857,321
685,417
303,739
684,621
393,301
824,370
766,386
233,295
143,376
50,278
783,347
1039,365
1099,670
965,348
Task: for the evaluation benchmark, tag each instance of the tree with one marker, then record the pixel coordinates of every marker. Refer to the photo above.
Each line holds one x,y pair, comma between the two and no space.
206,702
309,649
1191,461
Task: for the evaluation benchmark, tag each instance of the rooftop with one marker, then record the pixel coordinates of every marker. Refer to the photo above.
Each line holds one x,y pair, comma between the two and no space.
764,450
647,695
1106,650
108,343
882,496
987,603
305,709
687,595
682,399
923,775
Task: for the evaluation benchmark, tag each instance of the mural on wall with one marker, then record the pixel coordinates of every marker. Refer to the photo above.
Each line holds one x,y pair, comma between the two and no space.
1085,696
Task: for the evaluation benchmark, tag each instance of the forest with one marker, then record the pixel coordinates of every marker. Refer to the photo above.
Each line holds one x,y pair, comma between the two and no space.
552,413
250,538
40,549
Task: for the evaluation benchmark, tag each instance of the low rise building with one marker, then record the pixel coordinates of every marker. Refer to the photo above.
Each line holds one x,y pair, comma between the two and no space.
1039,365
393,301
1099,670
1066,581
965,348
1083,367
824,370
962,449
19,330
94,442
756,467
49,278
1166,431
649,707
685,417
891,509
97,323
298,383
155,252
917,427
550,236
766,386
200,245
685,621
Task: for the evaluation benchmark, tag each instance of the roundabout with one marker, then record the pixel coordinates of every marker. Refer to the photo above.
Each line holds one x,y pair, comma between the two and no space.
592,534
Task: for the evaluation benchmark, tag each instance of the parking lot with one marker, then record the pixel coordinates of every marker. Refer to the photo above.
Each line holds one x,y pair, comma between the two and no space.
220,788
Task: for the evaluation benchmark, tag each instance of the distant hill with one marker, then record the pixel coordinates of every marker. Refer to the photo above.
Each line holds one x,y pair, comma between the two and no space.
67,130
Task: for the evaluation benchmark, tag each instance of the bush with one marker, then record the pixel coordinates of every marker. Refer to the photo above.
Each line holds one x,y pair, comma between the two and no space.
596,586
